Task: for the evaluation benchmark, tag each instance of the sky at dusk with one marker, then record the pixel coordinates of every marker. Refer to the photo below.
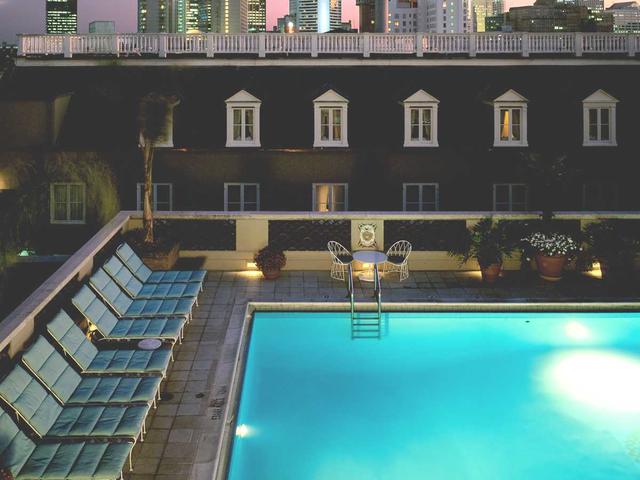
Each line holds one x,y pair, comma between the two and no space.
27,16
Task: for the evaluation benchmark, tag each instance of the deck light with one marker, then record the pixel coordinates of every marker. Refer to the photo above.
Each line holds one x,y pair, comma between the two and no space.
252,266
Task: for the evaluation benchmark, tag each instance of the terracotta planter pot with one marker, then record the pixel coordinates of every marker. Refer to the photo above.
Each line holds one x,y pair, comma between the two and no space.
271,274
550,268
163,261
491,272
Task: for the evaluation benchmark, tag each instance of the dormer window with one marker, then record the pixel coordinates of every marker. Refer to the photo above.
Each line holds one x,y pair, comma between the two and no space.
421,120
599,119
330,120
510,120
243,120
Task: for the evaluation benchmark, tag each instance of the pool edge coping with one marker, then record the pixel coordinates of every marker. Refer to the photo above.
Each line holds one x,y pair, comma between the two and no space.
223,450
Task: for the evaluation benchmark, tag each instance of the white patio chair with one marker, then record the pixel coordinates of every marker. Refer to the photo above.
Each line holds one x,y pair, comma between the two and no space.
340,260
397,259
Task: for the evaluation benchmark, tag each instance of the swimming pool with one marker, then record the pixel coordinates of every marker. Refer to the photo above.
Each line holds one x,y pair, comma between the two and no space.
447,396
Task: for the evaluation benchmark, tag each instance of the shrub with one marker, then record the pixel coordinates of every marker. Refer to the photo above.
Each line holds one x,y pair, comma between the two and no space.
270,258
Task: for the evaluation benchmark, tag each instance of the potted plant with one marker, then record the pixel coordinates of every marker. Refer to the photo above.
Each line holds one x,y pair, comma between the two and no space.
270,261
488,243
551,252
614,244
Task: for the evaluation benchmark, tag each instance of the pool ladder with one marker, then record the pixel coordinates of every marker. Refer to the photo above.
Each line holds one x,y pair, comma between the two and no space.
366,324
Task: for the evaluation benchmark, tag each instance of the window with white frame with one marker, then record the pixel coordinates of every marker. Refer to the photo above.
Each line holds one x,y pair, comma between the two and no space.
243,120
597,196
421,120
161,196
510,120
330,197
510,197
68,203
330,120
599,119
420,197
241,197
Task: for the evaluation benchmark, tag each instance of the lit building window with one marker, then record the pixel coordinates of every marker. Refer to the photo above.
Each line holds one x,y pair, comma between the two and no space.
510,197
421,120
330,197
67,203
599,119
241,197
161,196
420,197
510,120
243,120
330,120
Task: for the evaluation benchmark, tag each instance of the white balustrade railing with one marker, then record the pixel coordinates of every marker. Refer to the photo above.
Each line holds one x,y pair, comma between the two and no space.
330,44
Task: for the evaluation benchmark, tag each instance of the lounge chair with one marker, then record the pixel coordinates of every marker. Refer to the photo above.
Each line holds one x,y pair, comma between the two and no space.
90,360
138,290
70,388
113,328
125,306
52,421
146,275
27,460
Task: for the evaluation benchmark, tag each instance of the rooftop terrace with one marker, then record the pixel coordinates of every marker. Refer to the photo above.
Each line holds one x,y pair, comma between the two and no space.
498,44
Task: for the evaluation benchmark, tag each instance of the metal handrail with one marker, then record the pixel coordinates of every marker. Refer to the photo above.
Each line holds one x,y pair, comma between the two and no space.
350,288
377,289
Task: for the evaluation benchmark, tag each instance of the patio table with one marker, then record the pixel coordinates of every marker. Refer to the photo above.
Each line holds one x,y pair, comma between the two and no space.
371,257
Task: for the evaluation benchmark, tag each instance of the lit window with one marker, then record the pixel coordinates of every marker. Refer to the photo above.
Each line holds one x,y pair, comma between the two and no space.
420,197
421,120
330,197
243,120
67,203
510,120
510,197
599,119
330,113
241,197
161,196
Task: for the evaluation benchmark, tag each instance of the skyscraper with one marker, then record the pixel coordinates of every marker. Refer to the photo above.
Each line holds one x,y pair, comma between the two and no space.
481,9
230,16
319,15
174,16
403,16
445,16
62,16
257,15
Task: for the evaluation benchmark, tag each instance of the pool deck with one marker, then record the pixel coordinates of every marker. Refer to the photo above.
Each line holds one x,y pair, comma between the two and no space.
184,431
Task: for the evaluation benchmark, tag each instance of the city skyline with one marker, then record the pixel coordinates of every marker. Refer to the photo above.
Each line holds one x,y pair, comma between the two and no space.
28,16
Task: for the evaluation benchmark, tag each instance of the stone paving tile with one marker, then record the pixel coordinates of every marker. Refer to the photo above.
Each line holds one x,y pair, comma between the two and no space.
183,432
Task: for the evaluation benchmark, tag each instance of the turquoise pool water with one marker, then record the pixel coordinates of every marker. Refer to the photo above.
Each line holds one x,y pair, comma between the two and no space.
442,396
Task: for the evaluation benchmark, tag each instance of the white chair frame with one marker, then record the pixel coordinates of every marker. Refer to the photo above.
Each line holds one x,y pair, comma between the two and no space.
402,248
339,269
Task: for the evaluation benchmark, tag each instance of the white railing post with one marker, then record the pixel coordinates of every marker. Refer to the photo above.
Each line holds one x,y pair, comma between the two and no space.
366,45
262,45
577,44
473,46
115,42
162,45
419,51
314,45
66,46
525,44
210,49
631,45
20,45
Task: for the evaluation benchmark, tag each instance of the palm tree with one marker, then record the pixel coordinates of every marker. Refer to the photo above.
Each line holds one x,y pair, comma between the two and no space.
153,127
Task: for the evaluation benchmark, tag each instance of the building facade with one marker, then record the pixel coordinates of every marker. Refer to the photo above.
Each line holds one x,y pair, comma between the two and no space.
481,9
230,16
257,15
161,16
318,15
626,17
549,16
403,16
62,16
102,26
448,16
314,136
367,15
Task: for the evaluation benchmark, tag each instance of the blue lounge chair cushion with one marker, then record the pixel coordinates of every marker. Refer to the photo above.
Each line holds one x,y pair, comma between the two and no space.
55,461
70,387
124,306
92,360
138,290
146,275
110,327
